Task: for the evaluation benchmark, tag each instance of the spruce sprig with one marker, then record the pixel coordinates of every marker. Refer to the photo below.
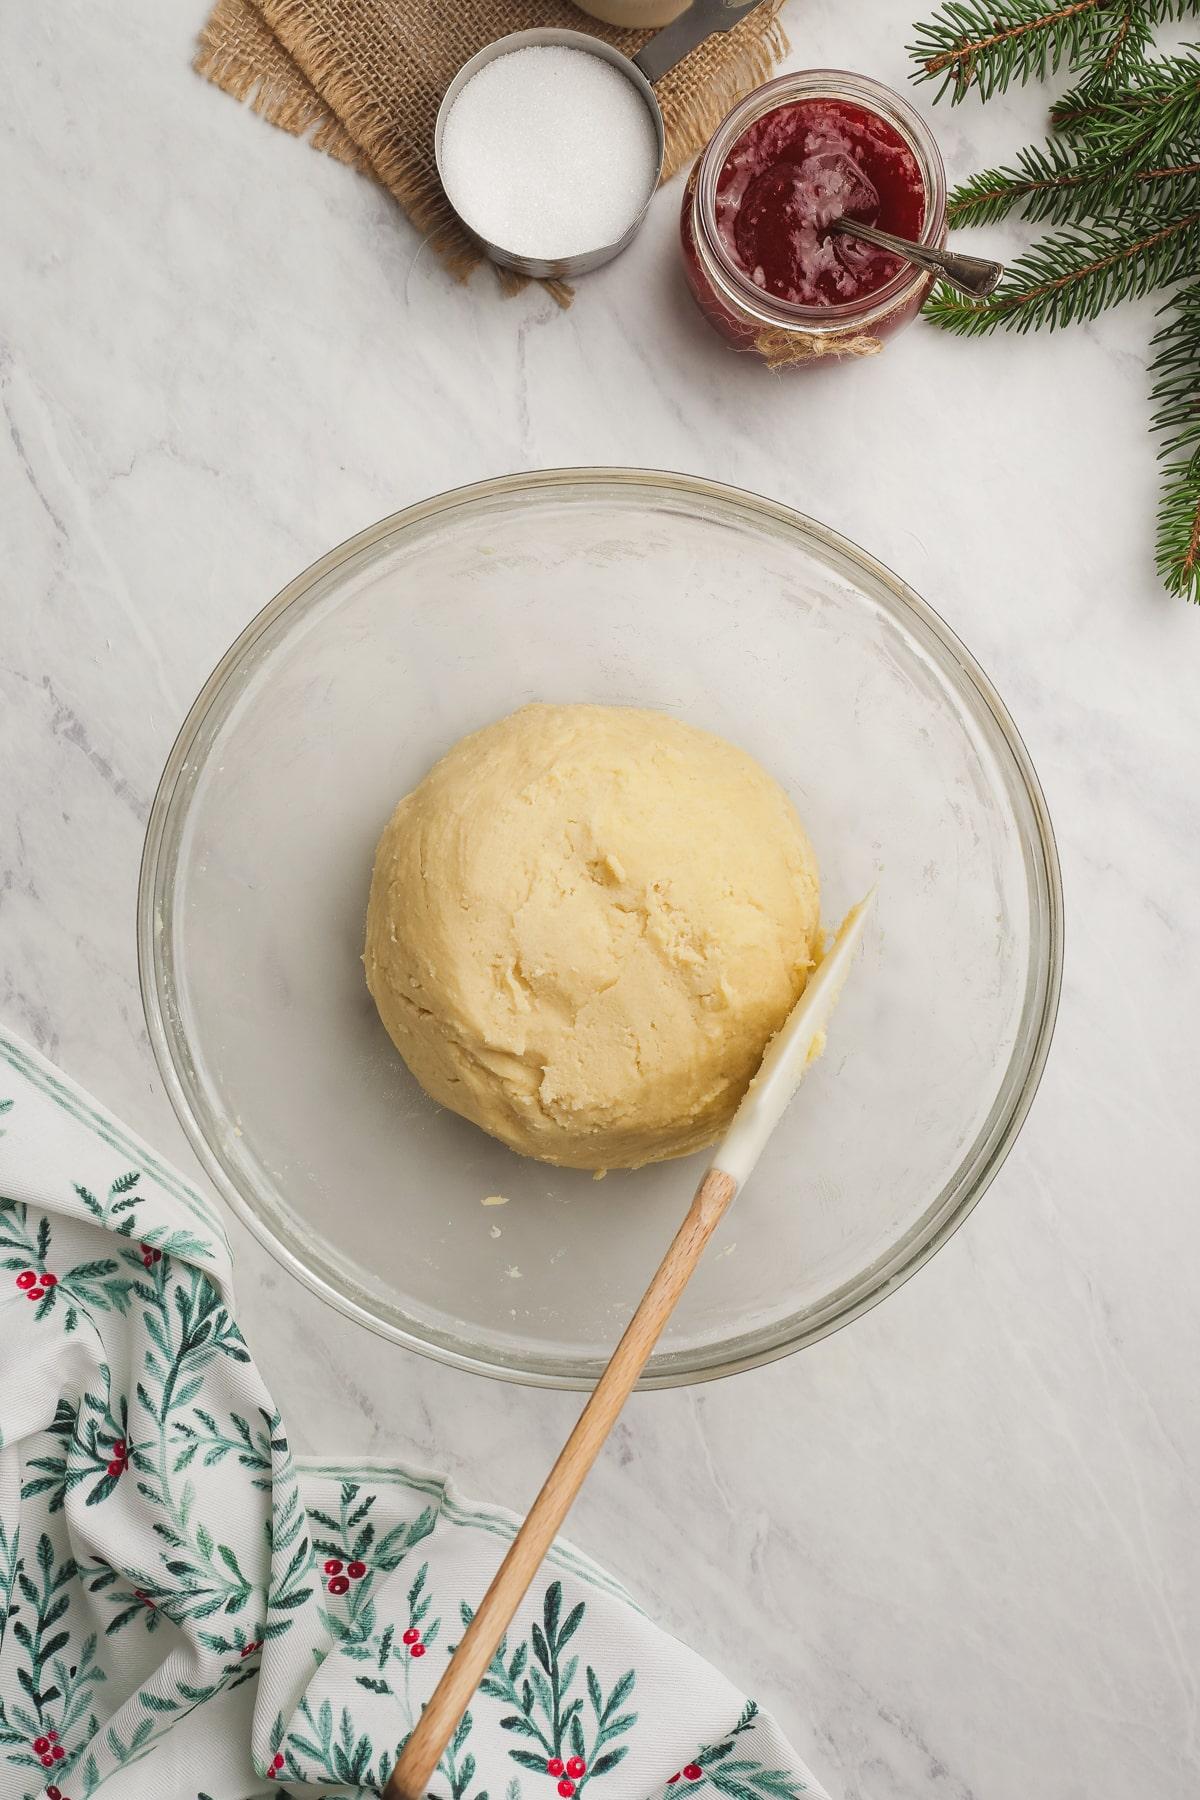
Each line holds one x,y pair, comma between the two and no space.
1120,181
1154,112
1077,274
1057,184
989,44
1176,398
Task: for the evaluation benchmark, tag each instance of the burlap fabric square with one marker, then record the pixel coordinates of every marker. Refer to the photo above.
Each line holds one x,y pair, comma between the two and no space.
363,79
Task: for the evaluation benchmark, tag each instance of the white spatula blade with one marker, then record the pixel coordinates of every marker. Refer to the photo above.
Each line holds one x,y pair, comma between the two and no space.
789,1052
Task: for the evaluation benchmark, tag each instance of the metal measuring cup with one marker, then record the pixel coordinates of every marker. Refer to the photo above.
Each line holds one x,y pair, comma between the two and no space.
701,20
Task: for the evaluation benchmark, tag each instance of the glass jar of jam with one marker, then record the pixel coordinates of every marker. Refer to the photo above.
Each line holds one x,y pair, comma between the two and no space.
765,268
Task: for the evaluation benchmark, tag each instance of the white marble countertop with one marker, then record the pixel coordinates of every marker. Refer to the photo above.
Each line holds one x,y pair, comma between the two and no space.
953,1547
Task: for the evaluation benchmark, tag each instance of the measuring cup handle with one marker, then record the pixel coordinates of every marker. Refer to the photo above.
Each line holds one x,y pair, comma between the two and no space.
703,19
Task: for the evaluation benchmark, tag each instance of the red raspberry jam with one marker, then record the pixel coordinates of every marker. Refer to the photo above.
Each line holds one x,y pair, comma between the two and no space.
795,171
759,255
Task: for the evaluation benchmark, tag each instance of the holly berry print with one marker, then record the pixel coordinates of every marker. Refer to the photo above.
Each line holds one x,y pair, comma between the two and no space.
56,1689
93,1447
27,1252
117,1212
577,1733
737,1776
354,1559
574,1723
176,1590
192,1559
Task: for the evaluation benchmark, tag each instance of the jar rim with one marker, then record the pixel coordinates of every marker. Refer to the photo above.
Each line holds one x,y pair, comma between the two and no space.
818,84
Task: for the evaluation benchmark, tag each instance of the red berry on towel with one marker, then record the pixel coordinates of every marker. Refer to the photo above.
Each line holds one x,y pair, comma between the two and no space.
412,1635
356,1570
339,1585
147,1260
417,1650
672,1779
53,1736
26,1278
41,1746
49,1280
555,1766
576,1767
34,1293
115,1466
47,1762
58,1753
693,1771
566,1788
120,1447
333,1566
52,1793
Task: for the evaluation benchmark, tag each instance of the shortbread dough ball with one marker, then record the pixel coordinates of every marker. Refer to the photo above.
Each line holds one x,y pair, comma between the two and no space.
584,926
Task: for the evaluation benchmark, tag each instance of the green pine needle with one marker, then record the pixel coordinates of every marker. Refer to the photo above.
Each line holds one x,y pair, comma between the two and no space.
1176,365
1057,183
1076,274
1177,546
1154,114
990,44
1176,398
1120,180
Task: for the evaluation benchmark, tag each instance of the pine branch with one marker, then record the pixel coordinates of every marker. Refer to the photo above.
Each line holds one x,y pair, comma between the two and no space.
989,44
1058,183
1124,35
1122,183
1176,397
1076,274
1154,115
970,43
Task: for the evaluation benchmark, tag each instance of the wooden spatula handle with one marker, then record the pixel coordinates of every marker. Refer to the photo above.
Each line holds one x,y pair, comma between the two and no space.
468,1665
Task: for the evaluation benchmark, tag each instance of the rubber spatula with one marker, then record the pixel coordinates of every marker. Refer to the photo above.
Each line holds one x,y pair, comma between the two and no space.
787,1056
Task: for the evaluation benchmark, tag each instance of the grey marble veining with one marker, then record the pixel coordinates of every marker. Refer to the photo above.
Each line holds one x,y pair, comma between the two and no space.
953,1547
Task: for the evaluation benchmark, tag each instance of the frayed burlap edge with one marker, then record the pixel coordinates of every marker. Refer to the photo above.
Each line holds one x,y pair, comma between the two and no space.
247,49
270,83
240,53
699,118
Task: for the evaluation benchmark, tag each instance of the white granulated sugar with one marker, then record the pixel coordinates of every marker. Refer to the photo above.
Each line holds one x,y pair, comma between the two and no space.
549,152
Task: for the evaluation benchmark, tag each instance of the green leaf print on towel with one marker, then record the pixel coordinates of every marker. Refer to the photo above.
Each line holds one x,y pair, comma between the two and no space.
539,1684
737,1777
185,1608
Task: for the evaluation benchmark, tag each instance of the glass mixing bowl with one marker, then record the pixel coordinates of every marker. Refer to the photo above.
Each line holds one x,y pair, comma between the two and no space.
635,589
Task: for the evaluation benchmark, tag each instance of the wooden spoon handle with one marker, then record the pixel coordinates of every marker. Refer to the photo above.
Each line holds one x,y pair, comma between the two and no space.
467,1667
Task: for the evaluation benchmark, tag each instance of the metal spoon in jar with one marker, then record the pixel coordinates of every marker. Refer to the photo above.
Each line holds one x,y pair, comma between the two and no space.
975,276
971,275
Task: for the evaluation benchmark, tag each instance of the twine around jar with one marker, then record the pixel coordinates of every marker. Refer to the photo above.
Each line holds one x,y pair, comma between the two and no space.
780,349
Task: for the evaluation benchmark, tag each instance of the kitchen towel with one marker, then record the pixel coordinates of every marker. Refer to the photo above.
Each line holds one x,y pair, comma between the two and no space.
188,1609
365,78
